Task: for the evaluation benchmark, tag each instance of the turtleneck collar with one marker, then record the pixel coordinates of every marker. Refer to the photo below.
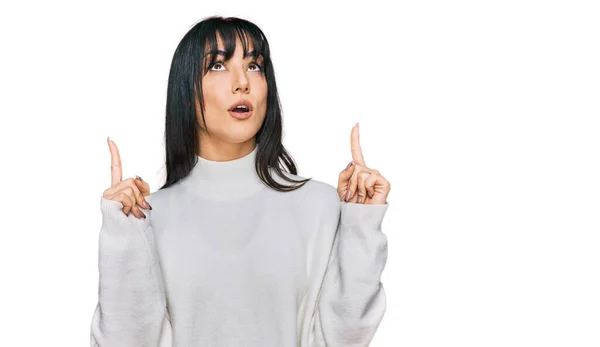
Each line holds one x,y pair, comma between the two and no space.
225,180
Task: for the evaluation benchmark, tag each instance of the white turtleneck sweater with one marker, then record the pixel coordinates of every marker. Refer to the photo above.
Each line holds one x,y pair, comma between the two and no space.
224,260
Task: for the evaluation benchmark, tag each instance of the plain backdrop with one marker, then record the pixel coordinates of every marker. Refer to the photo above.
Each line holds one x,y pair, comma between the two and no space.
483,115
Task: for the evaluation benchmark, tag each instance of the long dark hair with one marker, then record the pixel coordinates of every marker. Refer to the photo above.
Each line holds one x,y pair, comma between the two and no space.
185,78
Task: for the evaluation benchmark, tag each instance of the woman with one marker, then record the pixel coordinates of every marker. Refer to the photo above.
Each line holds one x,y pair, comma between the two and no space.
229,253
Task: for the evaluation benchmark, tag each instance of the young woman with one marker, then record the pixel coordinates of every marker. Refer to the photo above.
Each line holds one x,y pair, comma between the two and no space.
235,248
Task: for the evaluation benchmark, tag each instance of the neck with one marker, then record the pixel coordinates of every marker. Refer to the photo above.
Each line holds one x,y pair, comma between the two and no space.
225,179
216,150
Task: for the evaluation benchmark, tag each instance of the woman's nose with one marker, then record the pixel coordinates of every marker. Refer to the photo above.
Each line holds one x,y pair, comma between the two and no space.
241,83
244,88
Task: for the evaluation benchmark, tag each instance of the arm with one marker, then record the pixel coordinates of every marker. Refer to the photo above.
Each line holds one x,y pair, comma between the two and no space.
131,298
352,300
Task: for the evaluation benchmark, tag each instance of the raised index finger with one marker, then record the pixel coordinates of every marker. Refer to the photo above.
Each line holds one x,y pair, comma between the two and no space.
116,172
357,156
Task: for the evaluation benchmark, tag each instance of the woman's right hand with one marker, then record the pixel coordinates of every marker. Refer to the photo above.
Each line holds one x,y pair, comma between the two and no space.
130,192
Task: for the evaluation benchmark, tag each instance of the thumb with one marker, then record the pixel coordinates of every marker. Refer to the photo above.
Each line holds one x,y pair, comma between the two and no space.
143,186
346,173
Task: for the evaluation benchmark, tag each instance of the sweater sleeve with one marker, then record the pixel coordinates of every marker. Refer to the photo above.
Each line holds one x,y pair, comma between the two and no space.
131,297
351,301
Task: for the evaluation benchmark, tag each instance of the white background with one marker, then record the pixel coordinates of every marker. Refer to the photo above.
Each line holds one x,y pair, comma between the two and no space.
482,114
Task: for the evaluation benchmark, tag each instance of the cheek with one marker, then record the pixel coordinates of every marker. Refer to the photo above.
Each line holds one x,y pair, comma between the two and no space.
213,100
262,91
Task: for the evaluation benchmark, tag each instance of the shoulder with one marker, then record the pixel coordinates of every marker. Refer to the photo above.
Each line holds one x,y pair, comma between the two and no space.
163,195
165,201
317,195
322,191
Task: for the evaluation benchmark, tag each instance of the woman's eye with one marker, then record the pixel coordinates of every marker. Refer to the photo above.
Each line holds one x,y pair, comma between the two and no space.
212,67
220,67
255,67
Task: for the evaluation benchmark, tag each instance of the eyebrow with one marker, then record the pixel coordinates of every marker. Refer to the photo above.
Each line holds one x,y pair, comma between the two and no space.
223,53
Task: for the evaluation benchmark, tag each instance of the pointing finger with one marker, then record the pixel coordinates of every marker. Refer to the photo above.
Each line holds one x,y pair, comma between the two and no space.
357,156
116,170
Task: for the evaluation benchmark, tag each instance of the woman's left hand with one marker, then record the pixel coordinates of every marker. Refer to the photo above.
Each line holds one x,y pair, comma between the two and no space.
359,184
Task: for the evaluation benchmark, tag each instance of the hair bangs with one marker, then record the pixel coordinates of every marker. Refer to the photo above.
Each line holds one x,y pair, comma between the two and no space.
229,32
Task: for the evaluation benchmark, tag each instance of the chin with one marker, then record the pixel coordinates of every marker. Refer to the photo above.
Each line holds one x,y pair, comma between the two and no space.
246,126
240,135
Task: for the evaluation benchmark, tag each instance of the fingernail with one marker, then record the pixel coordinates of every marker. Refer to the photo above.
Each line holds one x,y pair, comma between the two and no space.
139,178
360,200
146,204
348,195
347,167
143,215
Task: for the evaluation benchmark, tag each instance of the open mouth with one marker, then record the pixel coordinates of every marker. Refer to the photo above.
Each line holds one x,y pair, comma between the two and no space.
241,109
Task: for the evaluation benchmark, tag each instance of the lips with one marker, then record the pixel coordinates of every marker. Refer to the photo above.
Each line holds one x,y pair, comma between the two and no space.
241,106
